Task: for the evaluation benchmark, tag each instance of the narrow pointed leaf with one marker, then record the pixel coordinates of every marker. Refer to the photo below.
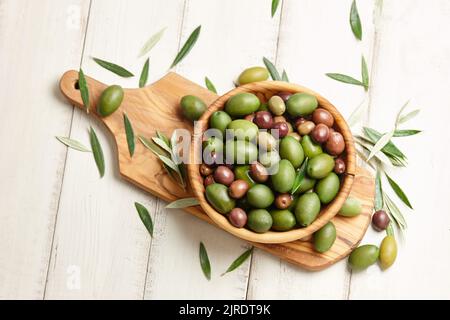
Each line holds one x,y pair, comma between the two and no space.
345,79
114,68
300,176
84,90
358,113
395,212
239,261
130,134
355,21
76,145
398,191
144,74
384,140
284,76
151,42
169,163
272,69
275,4
399,114
183,203
164,138
408,116
145,217
152,146
210,85
97,152
378,192
162,144
204,261
187,47
390,149
406,133
364,73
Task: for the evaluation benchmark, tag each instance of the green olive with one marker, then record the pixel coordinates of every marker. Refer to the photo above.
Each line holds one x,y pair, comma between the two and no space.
242,104
283,179
193,107
269,159
301,104
324,238
276,105
240,152
253,74
243,129
363,257
283,220
263,107
307,209
259,220
328,188
220,120
351,208
292,150
320,166
388,252
306,185
310,147
260,196
243,173
217,196
110,100
213,144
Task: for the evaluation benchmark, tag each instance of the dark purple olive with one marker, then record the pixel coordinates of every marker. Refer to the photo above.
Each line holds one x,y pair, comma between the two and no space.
320,133
238,217
339,166
299,121
284,95
223,175
282,127
335,144
263,119
205,170
258,172
380,220
238,189
208,180
321,115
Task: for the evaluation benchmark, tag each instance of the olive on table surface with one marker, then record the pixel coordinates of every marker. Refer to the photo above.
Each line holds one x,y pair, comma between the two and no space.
238,189
306,185
320,115
335,144
263,119
260,196
295,135
209,180
279,119
242,129
223,175
259,220
310,147
205,170
339,166
320,166
283,220
328,187
217,196
283,179
283,200
110,100
351,208
269,159
301,104
258,172
388,252
266,141
242,104
250,117
284,95
238,217
324,238
193,107
276,105
243,173
363,257
253,74
291,149
305,128
380,220
240,152
307,209
219,120
320,133
282,127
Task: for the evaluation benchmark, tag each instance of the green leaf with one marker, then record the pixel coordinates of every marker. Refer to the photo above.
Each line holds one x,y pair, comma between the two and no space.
408,116
272,70
204,261
98,152
164,138
187,47
390,230
405,133
144,74
151,42
73,144
169,163
344,78
183,203
210,85
145,217
275,4
239,261
162,144
369,147
284,76
355,21
398,191
394,212
378,192
152,146
364,73
114,68
399,114
381,143
84,90
390,149
300,176
358,113
130,134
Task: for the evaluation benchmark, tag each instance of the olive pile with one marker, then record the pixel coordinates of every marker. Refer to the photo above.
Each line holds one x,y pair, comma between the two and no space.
250,168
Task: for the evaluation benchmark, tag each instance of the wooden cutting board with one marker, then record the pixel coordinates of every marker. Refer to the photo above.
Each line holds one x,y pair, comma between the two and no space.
156,107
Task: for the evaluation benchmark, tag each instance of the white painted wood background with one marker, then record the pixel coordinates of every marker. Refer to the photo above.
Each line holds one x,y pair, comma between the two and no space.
58,220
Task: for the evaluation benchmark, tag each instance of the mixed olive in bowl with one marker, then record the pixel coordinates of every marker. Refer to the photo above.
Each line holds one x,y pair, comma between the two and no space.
271,162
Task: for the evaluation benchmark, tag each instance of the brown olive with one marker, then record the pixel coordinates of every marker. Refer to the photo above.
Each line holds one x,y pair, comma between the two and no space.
339,166
380,220
305,128
205,170
320,133
296,136
238,189
290,127
209,180
282,127
258,172
279,119
284,95
238,217
263,119
283,201
250,117
299,121
335,144
321,115
223,175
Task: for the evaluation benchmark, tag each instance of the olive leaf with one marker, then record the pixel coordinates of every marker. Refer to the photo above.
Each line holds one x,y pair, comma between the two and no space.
394,212
114,68
358,113
408,116
130,134
187,47
164,138
239,261
151,42
300,176
183,203
275,4
98,152
284,76
272,69
210,85
398,191
399,114
381,143
369,147
144,74
355,21
145,217
406,133
389,149
152,146
344,78
378,192
390,230
364,73
84,90
162,144
204,261
76,145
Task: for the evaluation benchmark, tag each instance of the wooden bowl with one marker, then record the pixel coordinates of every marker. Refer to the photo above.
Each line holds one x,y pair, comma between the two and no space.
264,90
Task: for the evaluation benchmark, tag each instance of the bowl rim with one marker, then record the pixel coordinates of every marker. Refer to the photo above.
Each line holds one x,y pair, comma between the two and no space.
268,89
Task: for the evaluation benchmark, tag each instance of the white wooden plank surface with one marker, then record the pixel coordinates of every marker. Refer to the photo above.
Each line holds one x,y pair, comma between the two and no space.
413,63
38,39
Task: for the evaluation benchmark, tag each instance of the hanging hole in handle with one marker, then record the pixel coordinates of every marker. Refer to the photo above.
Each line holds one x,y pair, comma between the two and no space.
76,85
